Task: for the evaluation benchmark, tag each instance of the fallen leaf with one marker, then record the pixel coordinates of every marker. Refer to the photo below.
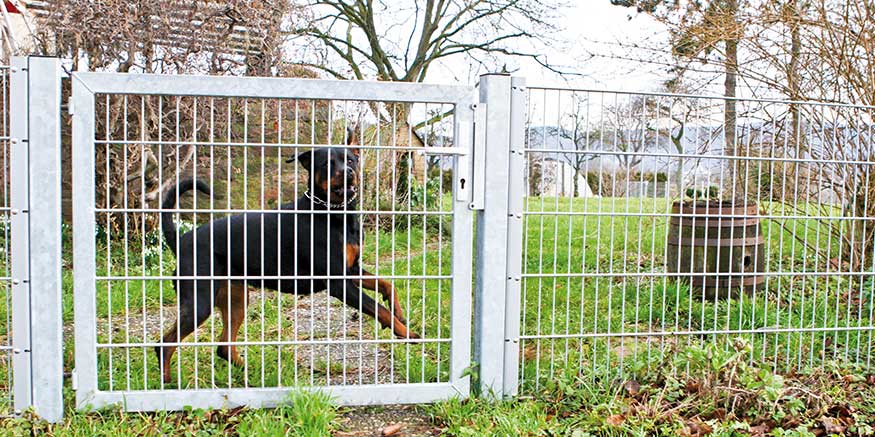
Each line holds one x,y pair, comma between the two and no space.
832,426
392,429
760,430
632,387
698,429
841,410
529,352
615,420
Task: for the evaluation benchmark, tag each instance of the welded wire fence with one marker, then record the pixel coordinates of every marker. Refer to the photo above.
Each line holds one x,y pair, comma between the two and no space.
265,243
653,222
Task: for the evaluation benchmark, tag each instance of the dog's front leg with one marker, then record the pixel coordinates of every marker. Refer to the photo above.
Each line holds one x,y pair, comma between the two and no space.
353,296
231,302
386,289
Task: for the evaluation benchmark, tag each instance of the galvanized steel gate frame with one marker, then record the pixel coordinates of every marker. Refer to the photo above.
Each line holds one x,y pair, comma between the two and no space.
84,87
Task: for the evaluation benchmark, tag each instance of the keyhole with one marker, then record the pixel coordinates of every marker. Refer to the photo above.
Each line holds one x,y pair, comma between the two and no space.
462,181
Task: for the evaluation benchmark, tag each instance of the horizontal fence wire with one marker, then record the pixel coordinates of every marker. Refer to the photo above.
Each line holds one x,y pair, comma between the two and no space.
658,223
389,173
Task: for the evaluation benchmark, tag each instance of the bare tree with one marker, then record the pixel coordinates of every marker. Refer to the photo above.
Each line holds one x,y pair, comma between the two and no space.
362,37
628,129
402,40
176,37
577,130
843,39
698,30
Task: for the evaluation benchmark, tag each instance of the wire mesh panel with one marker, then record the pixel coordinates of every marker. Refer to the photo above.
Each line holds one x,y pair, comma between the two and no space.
655,222
288,233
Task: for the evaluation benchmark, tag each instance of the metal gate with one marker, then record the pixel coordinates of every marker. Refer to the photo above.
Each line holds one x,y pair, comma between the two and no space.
137,136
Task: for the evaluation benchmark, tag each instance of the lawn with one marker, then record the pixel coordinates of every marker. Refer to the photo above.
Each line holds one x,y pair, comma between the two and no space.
620,243
567,320
590,330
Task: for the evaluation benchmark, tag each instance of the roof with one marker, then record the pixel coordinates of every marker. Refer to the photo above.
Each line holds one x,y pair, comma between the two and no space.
242,40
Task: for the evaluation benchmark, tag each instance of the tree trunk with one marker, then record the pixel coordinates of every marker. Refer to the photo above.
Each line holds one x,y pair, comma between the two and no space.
730,115
793,73
575,183
729,86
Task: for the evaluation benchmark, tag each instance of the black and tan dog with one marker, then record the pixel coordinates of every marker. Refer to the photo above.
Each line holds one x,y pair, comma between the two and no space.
257,247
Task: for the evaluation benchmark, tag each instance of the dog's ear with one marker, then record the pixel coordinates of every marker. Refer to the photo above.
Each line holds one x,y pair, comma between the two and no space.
304,158
352,140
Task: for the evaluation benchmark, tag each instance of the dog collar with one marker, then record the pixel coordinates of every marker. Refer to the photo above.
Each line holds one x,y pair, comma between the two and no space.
328,205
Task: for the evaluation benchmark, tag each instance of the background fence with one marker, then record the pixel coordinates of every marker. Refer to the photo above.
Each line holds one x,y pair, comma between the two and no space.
757,225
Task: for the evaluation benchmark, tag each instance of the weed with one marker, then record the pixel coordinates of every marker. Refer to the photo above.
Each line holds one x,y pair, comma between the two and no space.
305,414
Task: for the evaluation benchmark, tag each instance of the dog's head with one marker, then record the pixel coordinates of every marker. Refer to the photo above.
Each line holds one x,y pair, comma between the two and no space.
333,171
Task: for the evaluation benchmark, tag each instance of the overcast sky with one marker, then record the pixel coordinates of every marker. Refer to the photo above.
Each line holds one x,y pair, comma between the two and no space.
590,27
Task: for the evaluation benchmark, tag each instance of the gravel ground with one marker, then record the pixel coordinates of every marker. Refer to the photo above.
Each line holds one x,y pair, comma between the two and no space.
371,421
317,315
323,316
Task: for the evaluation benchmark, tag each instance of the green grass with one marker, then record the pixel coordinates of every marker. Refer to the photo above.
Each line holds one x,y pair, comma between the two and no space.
719,394
625,254
613,302
560,303
123,303
304,413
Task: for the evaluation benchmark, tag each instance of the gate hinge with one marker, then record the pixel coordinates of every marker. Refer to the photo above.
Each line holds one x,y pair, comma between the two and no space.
74,379
70,107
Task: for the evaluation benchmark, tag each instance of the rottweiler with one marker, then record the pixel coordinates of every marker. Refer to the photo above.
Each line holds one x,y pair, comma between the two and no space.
268,249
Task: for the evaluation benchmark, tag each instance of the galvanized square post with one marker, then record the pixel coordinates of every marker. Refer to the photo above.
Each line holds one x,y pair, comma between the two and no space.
35,122
19,245
491,244
516,190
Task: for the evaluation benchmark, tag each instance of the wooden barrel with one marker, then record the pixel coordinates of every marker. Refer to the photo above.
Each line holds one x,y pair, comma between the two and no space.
717,237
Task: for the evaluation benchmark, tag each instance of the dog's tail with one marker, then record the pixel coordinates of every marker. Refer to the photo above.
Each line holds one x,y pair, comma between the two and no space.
167,225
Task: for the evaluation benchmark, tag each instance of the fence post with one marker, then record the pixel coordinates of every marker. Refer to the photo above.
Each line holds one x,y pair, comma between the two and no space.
19,265
516,190
44,217
491,244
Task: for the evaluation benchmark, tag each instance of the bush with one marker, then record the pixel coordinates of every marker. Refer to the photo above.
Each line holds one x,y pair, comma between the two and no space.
605,184
423,197
650,177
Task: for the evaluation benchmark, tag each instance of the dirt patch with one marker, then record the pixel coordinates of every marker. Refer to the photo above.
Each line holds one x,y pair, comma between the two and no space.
371,421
